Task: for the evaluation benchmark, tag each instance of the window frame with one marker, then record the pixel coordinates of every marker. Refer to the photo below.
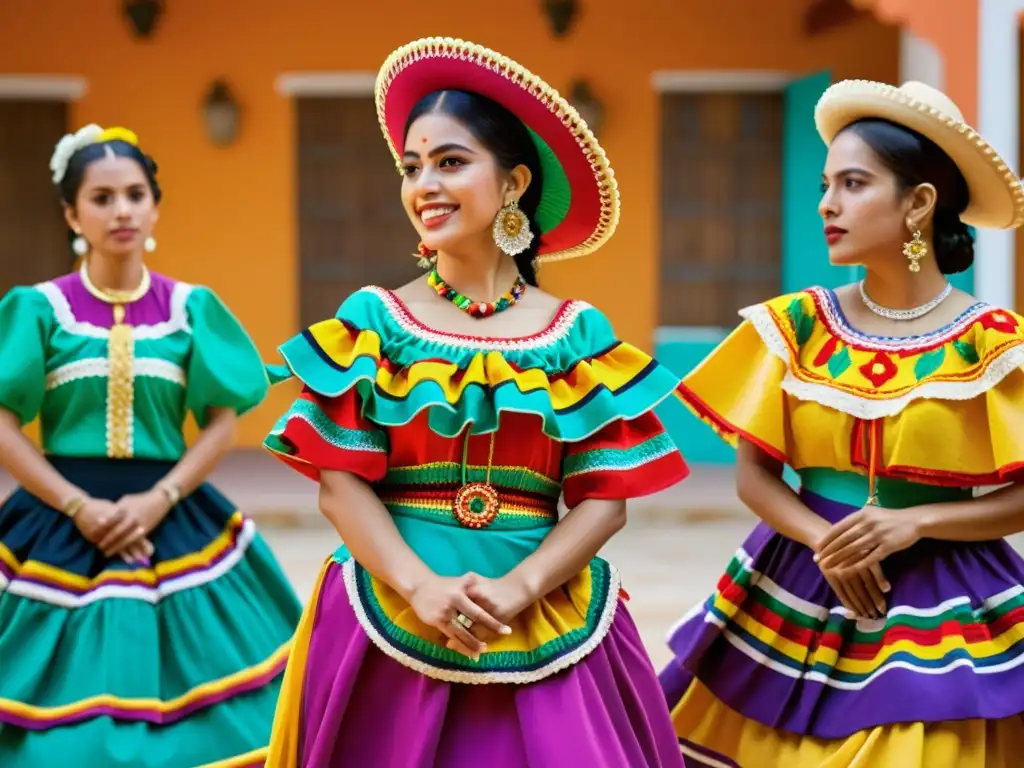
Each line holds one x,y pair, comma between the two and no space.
669,82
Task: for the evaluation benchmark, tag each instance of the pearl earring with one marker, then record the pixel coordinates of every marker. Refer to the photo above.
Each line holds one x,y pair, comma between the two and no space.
150,244
80,246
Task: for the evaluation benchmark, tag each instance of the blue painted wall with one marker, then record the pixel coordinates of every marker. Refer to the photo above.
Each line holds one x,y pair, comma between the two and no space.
804,251
681,349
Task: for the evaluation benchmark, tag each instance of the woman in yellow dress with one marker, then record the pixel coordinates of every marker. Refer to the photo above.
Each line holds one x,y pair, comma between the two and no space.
874,618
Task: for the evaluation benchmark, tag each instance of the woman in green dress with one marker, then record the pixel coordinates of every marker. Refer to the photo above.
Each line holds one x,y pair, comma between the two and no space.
143,621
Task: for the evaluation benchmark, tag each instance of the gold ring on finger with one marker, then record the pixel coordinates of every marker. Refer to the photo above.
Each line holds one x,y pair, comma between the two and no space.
464,620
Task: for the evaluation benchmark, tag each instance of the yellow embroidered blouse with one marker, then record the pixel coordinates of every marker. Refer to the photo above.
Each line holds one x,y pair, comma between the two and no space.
946,408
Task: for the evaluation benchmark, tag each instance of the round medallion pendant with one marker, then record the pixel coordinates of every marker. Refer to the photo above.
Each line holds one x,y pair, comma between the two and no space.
476,505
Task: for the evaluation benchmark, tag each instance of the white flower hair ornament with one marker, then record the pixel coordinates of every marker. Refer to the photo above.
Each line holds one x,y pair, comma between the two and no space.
84,137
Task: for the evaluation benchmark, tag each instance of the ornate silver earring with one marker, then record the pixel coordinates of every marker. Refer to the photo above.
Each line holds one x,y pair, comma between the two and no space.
80,246
512,230
150,244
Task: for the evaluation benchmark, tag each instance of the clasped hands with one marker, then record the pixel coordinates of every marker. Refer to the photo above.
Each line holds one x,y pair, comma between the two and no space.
470,610
122,527
851,552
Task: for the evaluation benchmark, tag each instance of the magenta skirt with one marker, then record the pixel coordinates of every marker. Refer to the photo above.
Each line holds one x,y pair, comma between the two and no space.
359,707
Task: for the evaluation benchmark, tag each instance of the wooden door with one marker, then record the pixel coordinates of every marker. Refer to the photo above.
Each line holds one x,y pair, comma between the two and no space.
33,236
721,198
353,230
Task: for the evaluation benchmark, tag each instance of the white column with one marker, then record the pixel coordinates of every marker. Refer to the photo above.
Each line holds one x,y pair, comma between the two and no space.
999,123
920,60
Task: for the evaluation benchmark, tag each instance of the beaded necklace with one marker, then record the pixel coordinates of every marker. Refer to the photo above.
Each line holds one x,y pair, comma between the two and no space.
477,308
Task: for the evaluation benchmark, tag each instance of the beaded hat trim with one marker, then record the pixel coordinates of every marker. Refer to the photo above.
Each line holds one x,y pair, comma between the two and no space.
586,212
996,196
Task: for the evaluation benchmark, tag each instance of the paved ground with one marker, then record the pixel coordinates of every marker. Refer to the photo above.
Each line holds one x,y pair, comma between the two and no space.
670,555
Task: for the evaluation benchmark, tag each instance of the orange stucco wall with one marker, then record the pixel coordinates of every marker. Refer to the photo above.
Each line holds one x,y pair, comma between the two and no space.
228,220
954,31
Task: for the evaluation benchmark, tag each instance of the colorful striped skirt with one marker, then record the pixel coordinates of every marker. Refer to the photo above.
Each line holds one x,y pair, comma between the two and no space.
102,664
773,671
344,703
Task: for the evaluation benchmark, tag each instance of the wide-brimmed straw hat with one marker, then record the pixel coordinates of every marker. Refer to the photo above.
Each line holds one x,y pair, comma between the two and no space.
996,196
579,205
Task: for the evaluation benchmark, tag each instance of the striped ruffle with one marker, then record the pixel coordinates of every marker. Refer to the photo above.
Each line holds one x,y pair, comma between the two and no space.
812,642
775,644
44,607
48,584
577,376
148,710
718,737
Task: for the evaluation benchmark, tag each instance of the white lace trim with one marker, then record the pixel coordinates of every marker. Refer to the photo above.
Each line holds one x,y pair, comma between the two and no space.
556,332
470,677
761,318
99,367
65,318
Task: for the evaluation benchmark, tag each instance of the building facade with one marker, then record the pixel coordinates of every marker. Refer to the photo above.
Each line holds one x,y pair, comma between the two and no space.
707,118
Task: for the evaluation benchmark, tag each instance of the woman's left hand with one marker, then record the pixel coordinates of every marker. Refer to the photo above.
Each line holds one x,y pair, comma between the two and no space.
867,537
139,514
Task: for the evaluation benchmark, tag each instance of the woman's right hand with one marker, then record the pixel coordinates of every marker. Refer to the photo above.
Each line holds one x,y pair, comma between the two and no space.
861,589
97,517
94,518
439,599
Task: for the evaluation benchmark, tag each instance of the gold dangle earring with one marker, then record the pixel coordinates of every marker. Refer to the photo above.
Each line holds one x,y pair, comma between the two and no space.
915,250
511,230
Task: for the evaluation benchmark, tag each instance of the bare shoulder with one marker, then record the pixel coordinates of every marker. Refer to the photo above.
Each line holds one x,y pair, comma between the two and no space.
542,300
961,301
850,289
414,290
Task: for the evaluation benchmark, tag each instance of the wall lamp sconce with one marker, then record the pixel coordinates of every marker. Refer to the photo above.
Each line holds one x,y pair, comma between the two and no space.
560,15
222,114
142,16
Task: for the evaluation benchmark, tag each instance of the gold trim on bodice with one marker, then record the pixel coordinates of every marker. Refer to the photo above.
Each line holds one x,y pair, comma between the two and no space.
121,355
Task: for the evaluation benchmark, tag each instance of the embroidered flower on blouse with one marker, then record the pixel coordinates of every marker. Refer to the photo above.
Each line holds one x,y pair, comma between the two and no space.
879,369
999,321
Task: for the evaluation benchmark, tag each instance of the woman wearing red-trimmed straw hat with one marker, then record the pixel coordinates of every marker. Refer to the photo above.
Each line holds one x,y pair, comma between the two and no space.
461,620
875,618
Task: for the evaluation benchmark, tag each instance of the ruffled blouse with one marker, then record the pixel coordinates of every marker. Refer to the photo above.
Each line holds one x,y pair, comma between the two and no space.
946,408
188,353
419,413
